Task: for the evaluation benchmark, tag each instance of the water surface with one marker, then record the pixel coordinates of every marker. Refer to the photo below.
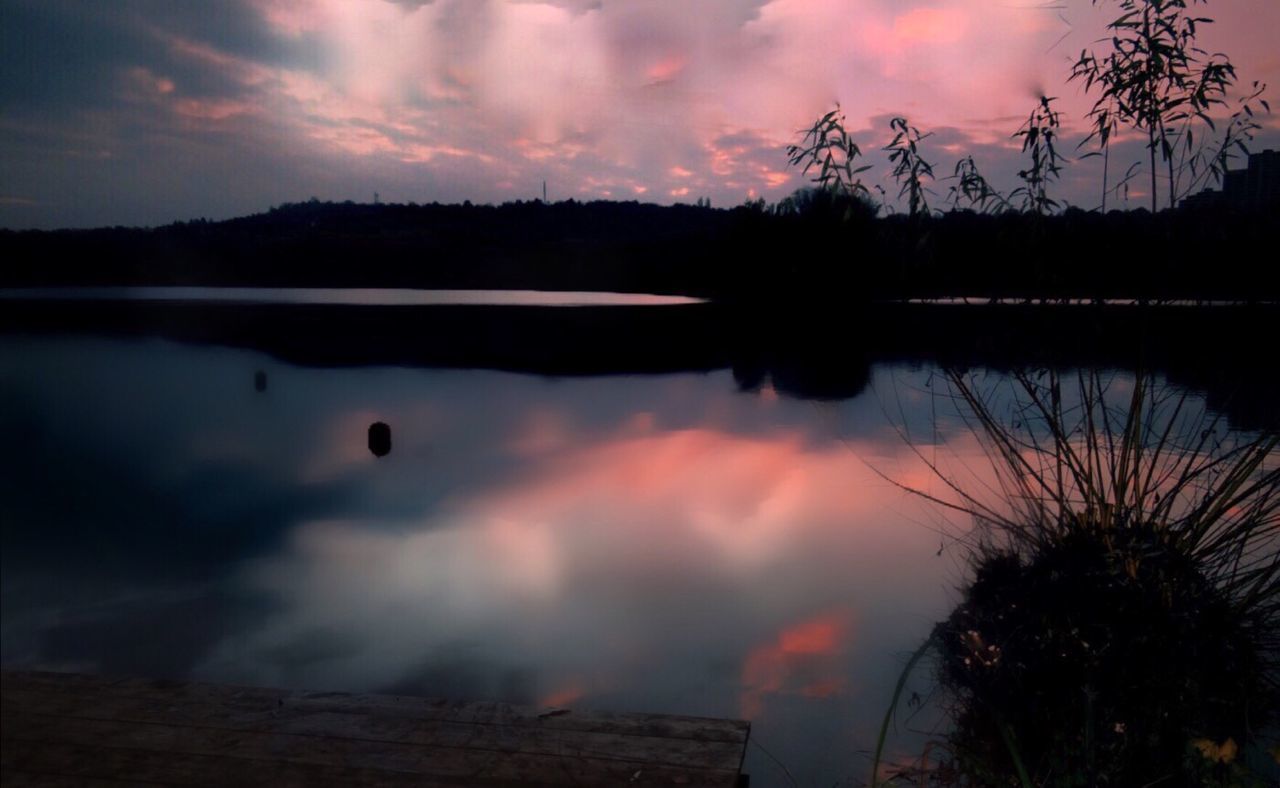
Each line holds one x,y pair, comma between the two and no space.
340,296
664,543
701,542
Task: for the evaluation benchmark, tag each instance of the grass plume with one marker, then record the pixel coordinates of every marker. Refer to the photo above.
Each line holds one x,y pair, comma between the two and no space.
1121,623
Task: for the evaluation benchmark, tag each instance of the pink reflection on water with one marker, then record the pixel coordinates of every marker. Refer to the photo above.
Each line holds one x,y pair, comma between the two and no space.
677,498
543,430
342,447
698,570
565,695
802,659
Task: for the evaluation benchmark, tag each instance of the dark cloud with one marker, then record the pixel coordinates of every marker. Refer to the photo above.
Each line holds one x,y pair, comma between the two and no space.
63,55
54,57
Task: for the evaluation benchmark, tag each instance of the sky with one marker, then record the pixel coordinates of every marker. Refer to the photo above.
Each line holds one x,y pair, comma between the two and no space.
143,112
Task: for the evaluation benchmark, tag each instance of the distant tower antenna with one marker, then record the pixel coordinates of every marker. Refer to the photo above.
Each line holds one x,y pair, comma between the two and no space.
544,191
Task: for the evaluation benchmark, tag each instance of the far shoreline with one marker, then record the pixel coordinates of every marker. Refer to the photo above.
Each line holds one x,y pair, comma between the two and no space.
748,253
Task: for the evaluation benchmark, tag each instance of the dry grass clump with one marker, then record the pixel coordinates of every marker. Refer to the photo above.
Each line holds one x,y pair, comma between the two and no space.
1121,625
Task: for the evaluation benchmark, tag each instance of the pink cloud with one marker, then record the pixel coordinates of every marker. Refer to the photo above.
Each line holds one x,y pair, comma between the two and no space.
930,26
212,109
142,85
642,91
456,99
291,17
667,68
243,70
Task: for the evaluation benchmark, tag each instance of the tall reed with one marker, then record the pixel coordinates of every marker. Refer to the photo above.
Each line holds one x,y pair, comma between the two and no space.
1124,606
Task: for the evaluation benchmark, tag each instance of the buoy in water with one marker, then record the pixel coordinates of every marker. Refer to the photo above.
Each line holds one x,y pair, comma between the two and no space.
379,439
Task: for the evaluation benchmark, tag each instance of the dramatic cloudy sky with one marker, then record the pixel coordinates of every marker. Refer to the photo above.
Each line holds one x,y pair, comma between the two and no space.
147,111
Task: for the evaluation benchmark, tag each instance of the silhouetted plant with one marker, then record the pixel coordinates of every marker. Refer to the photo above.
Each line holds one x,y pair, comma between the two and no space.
974,190
909,169
1158,81
1208,163
1038,134
828,147
1121,625
1105,126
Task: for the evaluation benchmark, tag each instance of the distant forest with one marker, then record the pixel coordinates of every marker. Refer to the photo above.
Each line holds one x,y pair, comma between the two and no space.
815,246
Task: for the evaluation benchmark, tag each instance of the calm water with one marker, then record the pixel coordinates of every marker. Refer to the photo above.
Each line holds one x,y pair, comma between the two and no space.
659,543
334,296
666,543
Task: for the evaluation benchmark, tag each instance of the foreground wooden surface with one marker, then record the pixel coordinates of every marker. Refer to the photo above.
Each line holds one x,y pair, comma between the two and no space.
72,729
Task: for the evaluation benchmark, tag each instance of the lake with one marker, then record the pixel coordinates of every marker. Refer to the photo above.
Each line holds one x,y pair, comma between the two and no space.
337,296
707,540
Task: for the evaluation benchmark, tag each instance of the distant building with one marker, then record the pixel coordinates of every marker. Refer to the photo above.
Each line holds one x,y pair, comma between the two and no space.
1200,200
1256,186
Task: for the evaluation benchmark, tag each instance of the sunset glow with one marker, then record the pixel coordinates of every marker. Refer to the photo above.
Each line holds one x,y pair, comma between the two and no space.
456,99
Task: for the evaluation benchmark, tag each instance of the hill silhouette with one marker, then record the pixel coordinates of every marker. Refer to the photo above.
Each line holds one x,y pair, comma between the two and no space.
803,249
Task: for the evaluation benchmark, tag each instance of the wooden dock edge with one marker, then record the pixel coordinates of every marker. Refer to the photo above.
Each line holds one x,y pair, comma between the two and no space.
76,729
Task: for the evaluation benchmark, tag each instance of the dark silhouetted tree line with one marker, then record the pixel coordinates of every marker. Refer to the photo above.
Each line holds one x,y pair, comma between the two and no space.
816,245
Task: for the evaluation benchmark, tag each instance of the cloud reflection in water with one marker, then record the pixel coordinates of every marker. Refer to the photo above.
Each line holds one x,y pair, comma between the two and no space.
660,543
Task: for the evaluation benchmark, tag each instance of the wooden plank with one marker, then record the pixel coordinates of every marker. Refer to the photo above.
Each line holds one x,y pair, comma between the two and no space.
388,728
671,726
440,764
58,764
82,728
16,779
